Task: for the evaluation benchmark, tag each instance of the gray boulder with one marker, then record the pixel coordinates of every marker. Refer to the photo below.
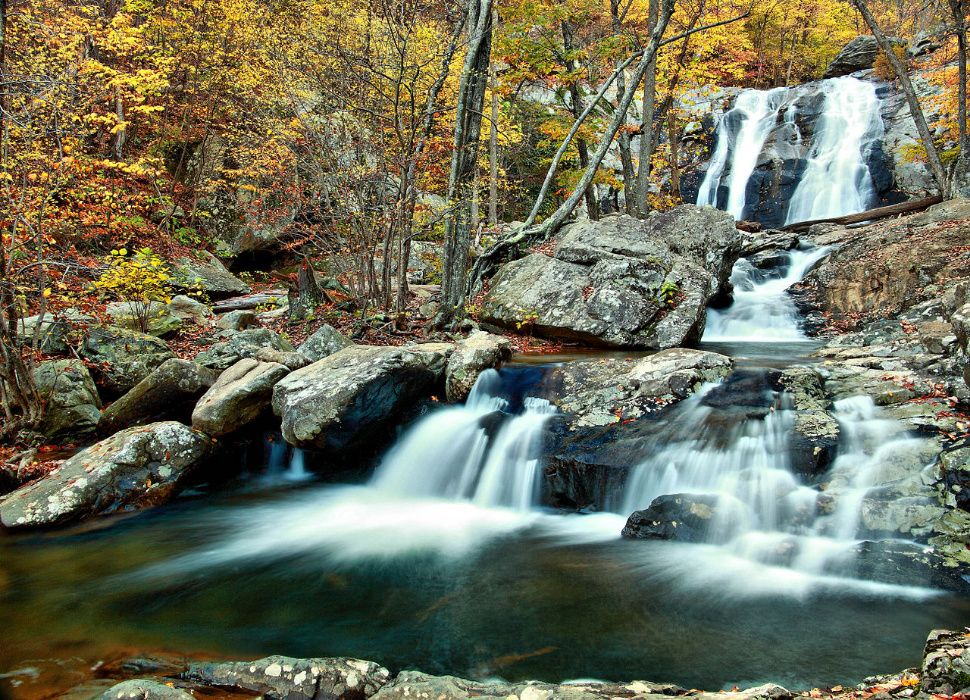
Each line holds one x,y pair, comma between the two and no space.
349,396
680,516
159,318
144,689
324,342
472,356
169,392
858,54
121,357
239,396
238,320
279,677
239,345
946,663
56,332
136,468
71,398
207,273
815,436
620,282
293,360
190,310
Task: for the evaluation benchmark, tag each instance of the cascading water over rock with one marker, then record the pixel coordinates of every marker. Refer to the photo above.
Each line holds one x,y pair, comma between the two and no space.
812,147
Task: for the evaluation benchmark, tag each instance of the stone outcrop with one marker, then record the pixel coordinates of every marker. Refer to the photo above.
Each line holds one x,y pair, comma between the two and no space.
206,273
136,468
169,392
858,54
348,397
620,282
239,396
295,679
121,358
473,355
236,345
72,404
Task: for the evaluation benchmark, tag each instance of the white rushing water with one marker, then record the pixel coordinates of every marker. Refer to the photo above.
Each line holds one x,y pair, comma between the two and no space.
762,310
836,179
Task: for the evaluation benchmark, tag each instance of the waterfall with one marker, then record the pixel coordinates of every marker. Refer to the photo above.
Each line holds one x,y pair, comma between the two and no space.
833,177
837,180
762,310
451,453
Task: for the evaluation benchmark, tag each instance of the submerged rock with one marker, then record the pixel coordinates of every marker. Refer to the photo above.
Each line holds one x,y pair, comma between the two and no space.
136,468
346,398
72,404
295,679
239,396
620,281
169,392
473,355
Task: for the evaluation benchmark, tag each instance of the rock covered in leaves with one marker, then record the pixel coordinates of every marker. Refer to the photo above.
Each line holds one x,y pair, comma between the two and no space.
345,398
239,396
169,392
295,679
473,355
121,358
136,468
72,404
620,281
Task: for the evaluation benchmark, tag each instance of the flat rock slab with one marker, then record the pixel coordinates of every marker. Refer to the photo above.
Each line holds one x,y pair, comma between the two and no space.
136,468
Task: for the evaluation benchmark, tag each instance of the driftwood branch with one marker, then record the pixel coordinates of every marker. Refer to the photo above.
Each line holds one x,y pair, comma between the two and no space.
871,215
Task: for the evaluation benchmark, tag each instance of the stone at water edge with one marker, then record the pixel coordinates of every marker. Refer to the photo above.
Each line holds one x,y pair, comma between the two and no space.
169,392
946,663
350,396
136,468
144,689
685,517
473,355
239,396
295,679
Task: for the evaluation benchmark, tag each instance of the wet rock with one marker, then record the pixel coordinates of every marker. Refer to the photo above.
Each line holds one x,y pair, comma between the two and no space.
620,282
324,342
239,396
955,475
473,355
136,468
144,689
121,358
680,516
169,392
600,392
238,320
71,398
352,395
815,435
913,517
907,564
158,317
241,344
946,663
284,677
206,273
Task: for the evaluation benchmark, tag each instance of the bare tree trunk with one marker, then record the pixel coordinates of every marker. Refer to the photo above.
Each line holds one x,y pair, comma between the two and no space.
493,139
304,295
623,142
576,107
902,73
960,25
648,106
468,123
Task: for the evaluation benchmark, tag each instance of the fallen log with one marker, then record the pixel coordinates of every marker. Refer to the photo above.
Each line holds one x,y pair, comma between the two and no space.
250,301
871,215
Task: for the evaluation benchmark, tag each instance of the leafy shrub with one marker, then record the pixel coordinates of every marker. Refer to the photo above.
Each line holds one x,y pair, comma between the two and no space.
138,280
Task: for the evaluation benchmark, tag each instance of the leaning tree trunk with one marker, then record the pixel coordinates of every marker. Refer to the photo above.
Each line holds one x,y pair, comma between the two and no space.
468,125
902,72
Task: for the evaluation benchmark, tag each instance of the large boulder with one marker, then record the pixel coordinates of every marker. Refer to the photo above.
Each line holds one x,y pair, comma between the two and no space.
325,341
858,54
72,404
946,663
620,281
206,273
349,396
121,358
687,517
136,468
237,345
239,396
295,679
169,392
473,355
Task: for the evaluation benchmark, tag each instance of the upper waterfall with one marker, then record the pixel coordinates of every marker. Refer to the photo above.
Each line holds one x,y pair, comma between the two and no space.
794,154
